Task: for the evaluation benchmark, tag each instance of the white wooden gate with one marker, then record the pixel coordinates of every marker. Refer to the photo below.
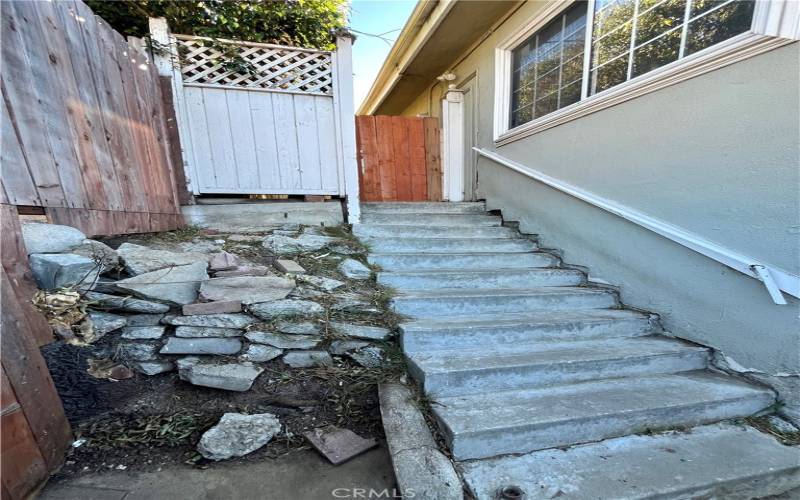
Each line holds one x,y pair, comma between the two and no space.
277,120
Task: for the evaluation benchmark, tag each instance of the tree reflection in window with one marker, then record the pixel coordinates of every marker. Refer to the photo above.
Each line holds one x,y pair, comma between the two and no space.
632,37
548,67
629,38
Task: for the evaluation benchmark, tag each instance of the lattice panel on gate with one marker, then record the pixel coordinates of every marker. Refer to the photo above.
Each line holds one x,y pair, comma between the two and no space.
265,66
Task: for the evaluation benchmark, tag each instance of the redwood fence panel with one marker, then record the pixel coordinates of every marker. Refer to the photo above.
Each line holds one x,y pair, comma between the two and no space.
85,136
399,158
84,125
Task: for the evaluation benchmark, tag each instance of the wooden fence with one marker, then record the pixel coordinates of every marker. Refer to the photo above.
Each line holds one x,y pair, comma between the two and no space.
35,432
84,125
85,140
399,158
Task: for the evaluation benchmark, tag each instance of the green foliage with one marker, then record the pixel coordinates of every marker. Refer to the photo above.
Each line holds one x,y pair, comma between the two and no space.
304,23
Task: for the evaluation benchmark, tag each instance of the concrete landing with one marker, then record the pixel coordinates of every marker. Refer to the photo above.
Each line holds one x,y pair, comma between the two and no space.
253,217
715,461
300,474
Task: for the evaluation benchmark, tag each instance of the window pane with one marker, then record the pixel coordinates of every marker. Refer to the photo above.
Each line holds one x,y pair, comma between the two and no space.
657,53
663,17
721,24
546,105
700,6
609,75
547,65
570,94
610,14
521,116
613,45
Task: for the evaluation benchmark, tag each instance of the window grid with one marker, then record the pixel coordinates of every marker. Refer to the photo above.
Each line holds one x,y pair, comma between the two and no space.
639,56
532,97
631,52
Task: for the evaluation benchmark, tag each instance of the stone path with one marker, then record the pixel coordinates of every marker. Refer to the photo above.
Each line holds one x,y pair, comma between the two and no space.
209,314
525,363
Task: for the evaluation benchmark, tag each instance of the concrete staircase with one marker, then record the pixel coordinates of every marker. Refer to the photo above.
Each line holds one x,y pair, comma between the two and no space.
534,374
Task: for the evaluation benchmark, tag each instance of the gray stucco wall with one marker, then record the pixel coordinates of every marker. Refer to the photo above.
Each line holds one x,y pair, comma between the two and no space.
718,155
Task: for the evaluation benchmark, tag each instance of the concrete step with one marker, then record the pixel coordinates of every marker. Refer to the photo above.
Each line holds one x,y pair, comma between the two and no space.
489,278
467,332
427,219
520,421
444,245
458,302
423,207
415,231
713,461
504,367
489,260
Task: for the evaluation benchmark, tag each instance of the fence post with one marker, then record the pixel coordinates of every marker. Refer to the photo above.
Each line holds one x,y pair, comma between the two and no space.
345,111
165,58
453,144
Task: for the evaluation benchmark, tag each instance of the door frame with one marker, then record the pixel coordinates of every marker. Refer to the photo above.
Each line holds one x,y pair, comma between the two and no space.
469,88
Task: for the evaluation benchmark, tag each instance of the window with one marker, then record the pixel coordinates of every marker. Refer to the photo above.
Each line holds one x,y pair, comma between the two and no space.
548,67
628,38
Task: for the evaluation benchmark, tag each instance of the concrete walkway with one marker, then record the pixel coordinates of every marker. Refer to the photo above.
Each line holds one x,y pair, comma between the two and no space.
302,474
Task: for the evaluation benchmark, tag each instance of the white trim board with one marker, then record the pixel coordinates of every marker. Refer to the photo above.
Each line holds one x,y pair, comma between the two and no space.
773,278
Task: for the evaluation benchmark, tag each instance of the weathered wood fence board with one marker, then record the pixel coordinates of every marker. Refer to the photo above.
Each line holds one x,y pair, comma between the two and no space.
84,123
35,430
86,137
399,158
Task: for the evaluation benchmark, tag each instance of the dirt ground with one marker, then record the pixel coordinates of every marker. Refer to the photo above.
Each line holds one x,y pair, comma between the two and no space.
147,423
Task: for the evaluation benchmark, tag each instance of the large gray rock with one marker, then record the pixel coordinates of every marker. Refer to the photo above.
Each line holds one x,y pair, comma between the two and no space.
321,282
230,376
56,270
354,269
50,238
206,331
258,353
128,304
285,245
307,359
303,328
342,347
247,289
360,331
142,332
103,322
355,304
176,285
236,435
212,320
144,319
284,341
286,308
136,352
368,357
99,252
201,245
153,367
139,259
176,345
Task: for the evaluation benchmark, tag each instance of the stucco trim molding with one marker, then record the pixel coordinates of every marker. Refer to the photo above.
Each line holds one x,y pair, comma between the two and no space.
773,278
723,54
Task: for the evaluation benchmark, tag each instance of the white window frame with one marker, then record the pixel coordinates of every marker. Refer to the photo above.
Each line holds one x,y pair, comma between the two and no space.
775,23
